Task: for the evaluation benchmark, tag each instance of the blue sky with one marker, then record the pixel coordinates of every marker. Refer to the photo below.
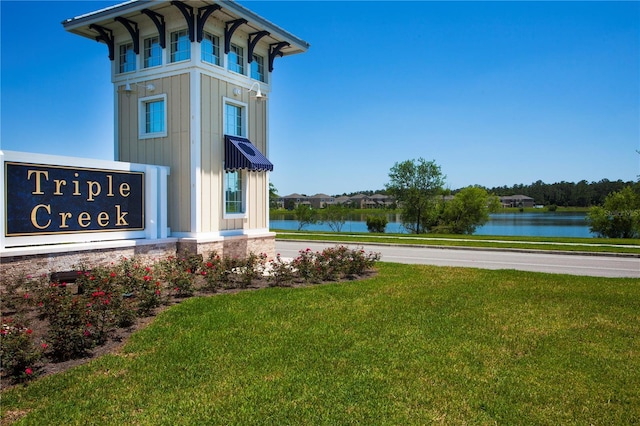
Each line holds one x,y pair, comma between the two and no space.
497,93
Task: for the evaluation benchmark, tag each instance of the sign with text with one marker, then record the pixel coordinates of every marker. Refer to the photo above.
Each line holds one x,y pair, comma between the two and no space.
45,199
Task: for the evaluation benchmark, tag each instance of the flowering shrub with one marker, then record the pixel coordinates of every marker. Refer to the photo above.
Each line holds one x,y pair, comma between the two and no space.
19,352
251,269
83,314
141,286
213,271
69,317
358,262
281,272
305,265
180,273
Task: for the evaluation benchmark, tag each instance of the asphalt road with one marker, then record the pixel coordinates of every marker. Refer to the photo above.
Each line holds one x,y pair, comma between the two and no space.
573,264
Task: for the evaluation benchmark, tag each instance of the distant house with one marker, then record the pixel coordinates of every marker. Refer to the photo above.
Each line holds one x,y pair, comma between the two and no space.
343,200
517,201
360,201
382,200
320,201
292,201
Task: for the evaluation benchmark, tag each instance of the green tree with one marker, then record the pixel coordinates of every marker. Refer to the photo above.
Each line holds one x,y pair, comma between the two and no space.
305,215
273,195
415,185
468,209
619,217
335,216
377,224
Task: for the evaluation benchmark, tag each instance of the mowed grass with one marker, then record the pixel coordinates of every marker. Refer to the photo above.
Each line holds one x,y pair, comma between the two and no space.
629,246
413,345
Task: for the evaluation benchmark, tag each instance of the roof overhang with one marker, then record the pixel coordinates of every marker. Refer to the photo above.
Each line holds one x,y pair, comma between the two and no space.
229,11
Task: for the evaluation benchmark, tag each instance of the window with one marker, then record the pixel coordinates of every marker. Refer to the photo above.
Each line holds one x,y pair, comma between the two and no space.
210,49
234,193
180,46
235,59
127,58
234,181
257,68
153,117
234,123
152,52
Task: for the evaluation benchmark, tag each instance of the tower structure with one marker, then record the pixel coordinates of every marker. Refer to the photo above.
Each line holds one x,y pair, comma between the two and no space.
191,84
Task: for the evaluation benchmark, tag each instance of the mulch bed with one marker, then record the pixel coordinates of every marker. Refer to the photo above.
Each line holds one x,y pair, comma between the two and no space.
119,336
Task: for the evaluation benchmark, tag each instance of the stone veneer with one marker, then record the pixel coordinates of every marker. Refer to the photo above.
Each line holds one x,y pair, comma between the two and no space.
47,259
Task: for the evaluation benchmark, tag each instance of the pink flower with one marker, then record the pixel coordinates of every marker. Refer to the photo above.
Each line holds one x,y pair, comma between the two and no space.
28,371
26,295
113,275
29,331
147,278
44,346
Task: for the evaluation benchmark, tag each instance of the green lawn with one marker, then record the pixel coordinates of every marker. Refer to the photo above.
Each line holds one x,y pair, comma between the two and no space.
413,345
589,245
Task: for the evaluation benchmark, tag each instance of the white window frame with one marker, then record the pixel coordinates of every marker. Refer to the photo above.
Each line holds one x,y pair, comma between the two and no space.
243,176
245,131
150,49
245,112
206,36
121,64
243,62
176,44
257,62
142,117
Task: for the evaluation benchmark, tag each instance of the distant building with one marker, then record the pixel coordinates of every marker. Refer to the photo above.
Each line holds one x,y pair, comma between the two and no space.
517,201
320,201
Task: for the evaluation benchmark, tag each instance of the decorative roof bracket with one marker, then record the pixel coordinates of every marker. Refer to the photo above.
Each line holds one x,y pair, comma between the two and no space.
189,16
106,35
275,49
203,14
229,30
133,29
254,38
158,20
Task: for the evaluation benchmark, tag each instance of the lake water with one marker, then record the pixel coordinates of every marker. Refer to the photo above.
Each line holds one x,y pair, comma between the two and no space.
547,224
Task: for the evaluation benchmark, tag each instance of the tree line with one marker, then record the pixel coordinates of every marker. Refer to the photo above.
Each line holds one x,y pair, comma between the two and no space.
418,186
581,194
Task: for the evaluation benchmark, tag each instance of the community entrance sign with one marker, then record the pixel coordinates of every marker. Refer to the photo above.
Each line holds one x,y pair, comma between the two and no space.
45,199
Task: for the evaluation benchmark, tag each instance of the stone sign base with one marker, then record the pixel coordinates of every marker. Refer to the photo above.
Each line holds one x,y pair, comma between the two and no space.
39,260
231,246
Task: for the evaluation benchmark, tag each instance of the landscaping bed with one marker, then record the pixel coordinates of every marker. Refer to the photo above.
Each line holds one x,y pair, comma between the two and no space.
50,325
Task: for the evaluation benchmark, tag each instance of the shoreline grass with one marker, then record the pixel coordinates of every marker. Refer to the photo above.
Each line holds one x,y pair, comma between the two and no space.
413,345
587,245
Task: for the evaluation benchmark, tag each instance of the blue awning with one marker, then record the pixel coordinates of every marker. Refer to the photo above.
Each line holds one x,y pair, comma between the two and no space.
240,153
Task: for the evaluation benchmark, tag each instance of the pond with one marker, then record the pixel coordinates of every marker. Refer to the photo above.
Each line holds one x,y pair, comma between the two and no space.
543,224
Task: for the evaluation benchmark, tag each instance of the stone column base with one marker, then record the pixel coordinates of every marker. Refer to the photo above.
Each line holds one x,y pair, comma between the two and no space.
231,246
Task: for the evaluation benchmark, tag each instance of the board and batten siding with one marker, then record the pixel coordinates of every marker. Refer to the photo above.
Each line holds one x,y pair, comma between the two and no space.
172,150
213,91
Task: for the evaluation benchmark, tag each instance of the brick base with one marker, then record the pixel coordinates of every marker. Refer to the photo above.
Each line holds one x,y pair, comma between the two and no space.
235,246
41,260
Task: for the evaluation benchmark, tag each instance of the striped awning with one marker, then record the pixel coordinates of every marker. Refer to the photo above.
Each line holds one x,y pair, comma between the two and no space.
240,153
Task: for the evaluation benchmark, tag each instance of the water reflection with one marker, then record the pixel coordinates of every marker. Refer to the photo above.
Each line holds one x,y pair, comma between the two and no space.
547,224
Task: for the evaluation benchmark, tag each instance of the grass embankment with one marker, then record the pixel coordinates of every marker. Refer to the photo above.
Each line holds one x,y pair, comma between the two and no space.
413,345
590,245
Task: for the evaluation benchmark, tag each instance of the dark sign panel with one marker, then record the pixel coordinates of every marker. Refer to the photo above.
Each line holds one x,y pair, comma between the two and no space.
45,199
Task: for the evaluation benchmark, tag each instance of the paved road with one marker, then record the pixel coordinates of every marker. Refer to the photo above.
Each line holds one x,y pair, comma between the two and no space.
589,265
